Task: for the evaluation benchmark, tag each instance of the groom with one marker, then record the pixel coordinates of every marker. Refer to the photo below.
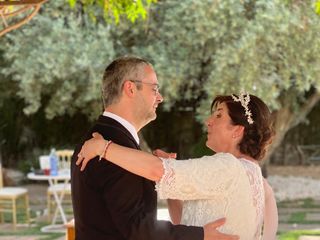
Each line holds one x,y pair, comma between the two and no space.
109,202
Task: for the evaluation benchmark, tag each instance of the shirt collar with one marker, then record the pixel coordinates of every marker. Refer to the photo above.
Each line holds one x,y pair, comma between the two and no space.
124,123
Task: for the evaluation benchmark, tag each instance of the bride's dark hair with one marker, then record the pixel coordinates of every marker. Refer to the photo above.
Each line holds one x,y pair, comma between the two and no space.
258,135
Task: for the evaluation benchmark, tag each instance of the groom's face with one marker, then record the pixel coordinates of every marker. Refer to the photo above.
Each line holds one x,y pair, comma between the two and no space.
148,97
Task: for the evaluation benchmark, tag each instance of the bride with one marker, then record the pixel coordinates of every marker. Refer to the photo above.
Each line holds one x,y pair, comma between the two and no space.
227,184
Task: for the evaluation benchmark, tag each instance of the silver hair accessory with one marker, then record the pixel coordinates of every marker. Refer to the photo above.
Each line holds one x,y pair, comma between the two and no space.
244,99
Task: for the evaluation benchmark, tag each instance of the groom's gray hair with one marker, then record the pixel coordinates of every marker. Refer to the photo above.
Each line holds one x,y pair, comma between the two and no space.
116,73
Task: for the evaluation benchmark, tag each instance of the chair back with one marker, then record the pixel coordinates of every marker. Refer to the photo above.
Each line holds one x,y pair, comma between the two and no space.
64,158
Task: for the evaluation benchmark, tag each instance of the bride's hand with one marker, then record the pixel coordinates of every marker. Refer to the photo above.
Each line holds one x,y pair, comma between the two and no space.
90,149
163,154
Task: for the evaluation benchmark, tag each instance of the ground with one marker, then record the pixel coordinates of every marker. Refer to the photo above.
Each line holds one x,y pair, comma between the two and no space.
293,215
303,171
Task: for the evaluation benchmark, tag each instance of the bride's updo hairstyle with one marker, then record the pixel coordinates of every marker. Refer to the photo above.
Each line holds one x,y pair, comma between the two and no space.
252,113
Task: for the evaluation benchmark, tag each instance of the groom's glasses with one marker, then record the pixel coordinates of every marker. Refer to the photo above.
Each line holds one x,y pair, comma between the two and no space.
156,87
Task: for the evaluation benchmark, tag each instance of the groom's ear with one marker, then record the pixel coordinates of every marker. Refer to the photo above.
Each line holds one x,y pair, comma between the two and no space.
129,88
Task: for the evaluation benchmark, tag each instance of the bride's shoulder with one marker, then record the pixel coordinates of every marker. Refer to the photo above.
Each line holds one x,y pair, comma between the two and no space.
225,158
221,162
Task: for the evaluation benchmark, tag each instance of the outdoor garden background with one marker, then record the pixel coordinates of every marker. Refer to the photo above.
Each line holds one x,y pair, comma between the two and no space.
51,70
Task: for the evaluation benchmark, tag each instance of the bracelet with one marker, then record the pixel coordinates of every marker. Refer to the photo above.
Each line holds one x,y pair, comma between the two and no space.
105,150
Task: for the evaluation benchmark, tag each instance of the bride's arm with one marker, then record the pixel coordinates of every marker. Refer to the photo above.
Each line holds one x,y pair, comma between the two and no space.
136,161
180,176
270,214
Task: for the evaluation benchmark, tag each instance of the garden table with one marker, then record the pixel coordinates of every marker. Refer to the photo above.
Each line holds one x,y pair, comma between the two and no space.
52,180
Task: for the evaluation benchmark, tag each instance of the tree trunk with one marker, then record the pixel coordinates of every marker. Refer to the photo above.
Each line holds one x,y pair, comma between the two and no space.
285,119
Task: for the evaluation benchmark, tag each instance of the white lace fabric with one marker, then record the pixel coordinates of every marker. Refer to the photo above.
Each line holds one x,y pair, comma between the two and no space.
256,183
217,186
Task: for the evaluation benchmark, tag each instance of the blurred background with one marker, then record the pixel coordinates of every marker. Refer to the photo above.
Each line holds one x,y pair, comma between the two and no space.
51,70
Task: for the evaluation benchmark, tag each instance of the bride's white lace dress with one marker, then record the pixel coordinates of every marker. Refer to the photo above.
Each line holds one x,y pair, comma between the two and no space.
214,187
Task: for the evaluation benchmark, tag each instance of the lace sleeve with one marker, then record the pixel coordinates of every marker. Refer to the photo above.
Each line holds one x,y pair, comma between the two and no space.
199,178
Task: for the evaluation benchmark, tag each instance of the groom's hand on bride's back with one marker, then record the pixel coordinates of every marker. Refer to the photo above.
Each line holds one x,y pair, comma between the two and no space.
211,232
162,154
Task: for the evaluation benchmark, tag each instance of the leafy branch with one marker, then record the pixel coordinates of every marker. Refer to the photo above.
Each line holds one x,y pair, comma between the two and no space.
112,10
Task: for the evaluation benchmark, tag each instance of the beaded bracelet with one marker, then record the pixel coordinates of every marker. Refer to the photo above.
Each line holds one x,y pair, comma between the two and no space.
105,150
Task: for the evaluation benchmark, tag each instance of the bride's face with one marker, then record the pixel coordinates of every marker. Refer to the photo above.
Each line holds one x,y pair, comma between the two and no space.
221,131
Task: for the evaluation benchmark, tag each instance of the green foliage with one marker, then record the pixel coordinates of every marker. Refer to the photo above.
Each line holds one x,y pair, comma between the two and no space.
60,62
317,7
200,149
199,49
204,48
114,9
268,49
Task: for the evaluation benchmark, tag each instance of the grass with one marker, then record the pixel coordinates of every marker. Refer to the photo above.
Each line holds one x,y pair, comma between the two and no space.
310,203
300,218
298,210
301,203
28,231
297,217
303,207
21,216
32,231
294,235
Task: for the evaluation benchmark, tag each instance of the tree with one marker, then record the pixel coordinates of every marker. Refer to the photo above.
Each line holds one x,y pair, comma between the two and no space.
60,63
199,48
268,48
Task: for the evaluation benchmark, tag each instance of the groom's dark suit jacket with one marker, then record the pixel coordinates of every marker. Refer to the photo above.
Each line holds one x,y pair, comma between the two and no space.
111,203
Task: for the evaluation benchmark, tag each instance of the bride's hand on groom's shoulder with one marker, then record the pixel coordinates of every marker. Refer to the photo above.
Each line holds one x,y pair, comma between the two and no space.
162,154
90,149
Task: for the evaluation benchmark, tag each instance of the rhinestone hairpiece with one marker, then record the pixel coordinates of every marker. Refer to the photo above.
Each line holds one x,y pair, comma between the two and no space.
244,99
